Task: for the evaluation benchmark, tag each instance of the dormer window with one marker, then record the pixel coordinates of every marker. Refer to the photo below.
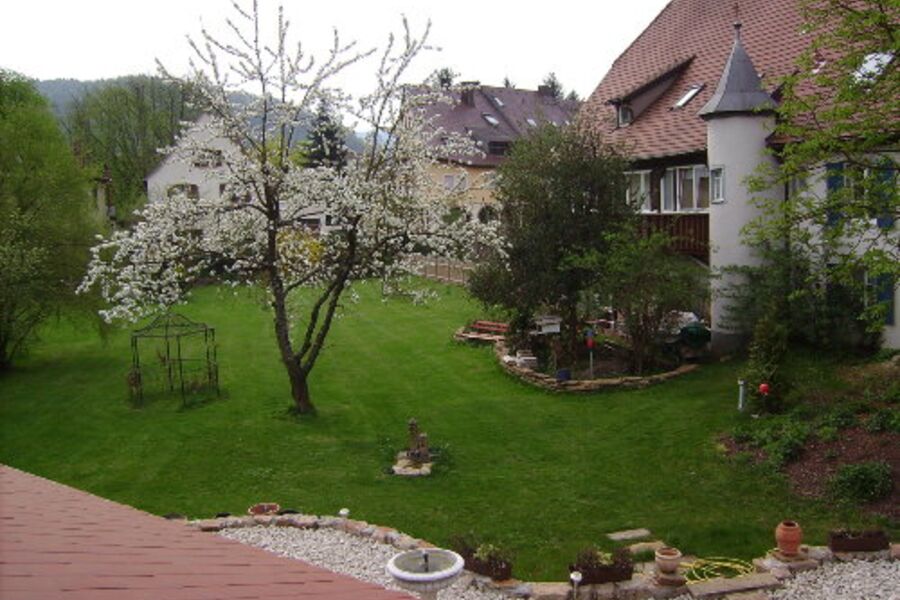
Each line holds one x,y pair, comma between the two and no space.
498,148
491,119
688,95
625,115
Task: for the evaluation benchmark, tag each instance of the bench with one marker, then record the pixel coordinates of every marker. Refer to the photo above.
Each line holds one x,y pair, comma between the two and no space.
490,327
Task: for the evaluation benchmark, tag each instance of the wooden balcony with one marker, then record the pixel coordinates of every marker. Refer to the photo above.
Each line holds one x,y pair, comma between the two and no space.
690,231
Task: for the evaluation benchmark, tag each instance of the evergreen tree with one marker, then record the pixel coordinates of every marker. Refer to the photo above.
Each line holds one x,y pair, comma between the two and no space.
325,141
553,85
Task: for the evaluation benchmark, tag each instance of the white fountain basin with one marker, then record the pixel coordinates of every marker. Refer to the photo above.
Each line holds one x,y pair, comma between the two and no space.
413,572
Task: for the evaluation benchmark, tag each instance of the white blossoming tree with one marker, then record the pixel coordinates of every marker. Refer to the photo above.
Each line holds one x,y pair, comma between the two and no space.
383,207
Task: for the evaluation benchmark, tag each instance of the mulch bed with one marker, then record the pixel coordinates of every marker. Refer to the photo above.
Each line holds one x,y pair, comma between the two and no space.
808,475
820,460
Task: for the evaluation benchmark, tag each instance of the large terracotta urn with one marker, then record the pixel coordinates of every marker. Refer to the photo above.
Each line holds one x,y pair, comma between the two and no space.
788,536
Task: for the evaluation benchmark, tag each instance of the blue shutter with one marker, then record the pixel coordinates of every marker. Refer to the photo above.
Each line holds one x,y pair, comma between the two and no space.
885,295
834,182
885,177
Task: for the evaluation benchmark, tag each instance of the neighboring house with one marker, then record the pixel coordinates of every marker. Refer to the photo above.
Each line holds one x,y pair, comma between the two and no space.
204,176
691,98
494,117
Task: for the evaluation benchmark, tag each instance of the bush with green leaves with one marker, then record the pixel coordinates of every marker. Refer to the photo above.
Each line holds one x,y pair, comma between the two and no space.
861,482
883,420
767,354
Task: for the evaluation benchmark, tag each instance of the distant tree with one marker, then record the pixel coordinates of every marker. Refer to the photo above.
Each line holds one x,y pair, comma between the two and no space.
45,223
122,125
325,142
562,191
445,77
573,96
553,85
507,83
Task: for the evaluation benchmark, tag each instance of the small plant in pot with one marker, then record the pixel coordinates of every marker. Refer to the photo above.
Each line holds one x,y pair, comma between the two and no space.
848,540
597,566
483,558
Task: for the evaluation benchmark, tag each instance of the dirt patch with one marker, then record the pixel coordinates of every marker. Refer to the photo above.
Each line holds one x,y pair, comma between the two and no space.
809,474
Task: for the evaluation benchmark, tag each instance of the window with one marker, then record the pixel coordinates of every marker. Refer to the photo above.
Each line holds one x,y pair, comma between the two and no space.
531,122
498,101
208,158
184,189
625,115
685,189
688,95
717,185
491,119
638,191
498,148
456,182
872,66
880,290
226,194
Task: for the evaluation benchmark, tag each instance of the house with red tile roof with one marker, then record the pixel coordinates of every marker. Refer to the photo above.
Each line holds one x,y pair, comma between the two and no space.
691,99
494,118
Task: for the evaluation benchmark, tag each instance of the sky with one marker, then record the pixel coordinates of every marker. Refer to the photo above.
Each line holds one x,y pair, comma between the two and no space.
484,40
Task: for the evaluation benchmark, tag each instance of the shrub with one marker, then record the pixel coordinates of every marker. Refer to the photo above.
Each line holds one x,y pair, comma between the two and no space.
827,433
862,482
840,417
883,420
767,353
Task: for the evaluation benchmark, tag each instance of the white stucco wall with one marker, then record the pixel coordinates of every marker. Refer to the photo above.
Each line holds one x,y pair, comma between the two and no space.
738,144
175,170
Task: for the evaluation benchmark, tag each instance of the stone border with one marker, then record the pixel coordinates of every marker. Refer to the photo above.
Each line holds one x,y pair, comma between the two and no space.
548,382
770,574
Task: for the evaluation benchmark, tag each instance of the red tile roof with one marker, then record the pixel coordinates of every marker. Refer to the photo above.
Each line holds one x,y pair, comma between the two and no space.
702,29
58,543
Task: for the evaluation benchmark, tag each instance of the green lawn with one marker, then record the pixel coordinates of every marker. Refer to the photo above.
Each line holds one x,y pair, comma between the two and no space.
543,474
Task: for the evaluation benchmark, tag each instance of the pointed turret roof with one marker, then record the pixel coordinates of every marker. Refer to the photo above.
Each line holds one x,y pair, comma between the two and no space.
739,90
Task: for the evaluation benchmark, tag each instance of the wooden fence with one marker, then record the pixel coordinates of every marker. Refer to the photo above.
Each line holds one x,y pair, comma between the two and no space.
444,270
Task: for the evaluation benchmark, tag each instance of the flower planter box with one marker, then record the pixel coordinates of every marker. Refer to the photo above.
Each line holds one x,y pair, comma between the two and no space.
498,570
604,573
858,541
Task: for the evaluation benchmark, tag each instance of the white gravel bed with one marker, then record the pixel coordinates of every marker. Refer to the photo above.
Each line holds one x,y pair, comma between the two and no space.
343,553
855,580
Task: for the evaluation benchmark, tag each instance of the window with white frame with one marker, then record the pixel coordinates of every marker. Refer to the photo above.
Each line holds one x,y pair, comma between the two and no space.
638,190
456,182
685,189
717,185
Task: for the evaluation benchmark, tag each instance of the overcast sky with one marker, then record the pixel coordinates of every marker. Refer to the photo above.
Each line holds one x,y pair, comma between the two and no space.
482,40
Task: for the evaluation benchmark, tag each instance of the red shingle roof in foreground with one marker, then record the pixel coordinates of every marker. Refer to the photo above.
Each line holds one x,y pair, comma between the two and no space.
60,543
697,33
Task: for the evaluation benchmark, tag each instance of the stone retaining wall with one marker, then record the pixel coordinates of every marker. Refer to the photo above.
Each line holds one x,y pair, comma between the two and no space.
548,382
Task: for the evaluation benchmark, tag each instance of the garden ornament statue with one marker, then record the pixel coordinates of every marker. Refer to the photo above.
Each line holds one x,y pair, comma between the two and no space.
418,444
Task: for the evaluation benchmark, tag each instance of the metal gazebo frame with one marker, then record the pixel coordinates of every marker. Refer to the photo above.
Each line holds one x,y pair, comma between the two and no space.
172,328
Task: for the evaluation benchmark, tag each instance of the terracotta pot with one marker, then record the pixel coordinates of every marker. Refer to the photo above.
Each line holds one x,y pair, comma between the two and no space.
788,536
667,560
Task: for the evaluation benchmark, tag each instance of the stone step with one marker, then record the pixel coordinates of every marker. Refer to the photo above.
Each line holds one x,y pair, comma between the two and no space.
629,534
720,586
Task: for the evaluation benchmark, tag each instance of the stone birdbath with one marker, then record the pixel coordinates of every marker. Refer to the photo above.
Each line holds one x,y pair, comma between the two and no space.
425,572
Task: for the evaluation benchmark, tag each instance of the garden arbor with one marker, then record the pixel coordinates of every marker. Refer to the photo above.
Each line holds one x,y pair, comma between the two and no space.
183,352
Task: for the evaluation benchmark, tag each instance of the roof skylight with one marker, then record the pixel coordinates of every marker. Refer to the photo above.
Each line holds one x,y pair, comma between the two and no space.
688,95
872,66
498,101
491,119
531,122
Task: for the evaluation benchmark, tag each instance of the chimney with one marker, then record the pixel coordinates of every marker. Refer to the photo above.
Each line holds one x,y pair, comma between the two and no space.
467,97
544,90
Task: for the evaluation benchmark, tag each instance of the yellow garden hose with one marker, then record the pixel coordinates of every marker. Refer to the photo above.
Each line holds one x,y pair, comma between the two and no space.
704,569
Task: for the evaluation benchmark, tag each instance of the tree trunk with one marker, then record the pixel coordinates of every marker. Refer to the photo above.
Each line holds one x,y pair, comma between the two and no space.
300,390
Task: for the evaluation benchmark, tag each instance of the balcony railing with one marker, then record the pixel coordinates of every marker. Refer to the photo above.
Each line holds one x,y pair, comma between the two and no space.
690,231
